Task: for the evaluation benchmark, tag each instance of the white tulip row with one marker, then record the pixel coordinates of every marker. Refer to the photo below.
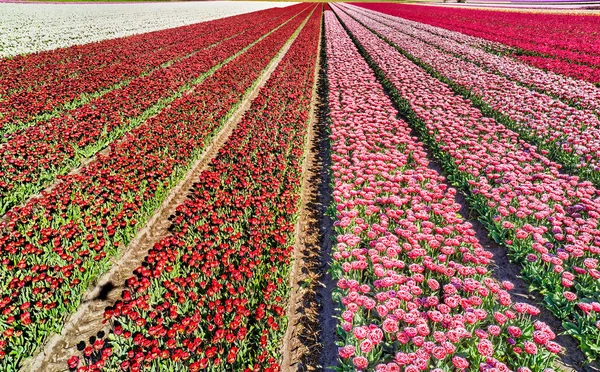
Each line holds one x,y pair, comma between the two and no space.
28,28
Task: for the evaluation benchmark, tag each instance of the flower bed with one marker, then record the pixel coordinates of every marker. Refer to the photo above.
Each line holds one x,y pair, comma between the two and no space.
414,288
548,221
36,86
213,294
56,245
540,39
32,158
566,135
577,93
34,28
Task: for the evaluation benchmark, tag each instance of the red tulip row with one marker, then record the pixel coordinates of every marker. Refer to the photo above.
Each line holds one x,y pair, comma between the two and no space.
54,246
212,295
567,68
415,288
34,157
565,134
471,49
548,221
541,39
34,86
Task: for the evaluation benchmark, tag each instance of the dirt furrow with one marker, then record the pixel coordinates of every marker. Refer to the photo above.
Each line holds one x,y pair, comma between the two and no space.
309,344
301,313
327,323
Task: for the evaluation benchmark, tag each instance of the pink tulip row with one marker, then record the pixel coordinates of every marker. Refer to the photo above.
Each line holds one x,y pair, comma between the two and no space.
571,136
460,37
541,40
413,279
473,49
548,221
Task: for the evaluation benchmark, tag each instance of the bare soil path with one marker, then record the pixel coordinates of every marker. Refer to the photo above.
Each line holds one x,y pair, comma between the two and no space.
309,344
301,338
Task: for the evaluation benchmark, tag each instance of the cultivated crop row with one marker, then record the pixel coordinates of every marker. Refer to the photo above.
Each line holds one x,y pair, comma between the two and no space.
213,295
39,87
575,92
548,221
563,133
30,28
99,142
33,158
57,244
536,39
416,293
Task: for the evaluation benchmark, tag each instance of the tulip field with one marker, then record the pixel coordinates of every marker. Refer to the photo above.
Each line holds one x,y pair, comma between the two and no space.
425,142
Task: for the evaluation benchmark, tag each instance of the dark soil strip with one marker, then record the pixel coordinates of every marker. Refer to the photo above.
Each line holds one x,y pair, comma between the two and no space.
312,327
572,359
327,310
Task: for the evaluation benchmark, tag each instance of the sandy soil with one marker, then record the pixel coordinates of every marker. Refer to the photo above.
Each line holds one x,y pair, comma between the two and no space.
301,339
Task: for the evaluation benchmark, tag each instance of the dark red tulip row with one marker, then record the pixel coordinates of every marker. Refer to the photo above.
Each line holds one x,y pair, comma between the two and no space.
541,40
32,158
415,289
39,83
549,222
213,294
56,245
